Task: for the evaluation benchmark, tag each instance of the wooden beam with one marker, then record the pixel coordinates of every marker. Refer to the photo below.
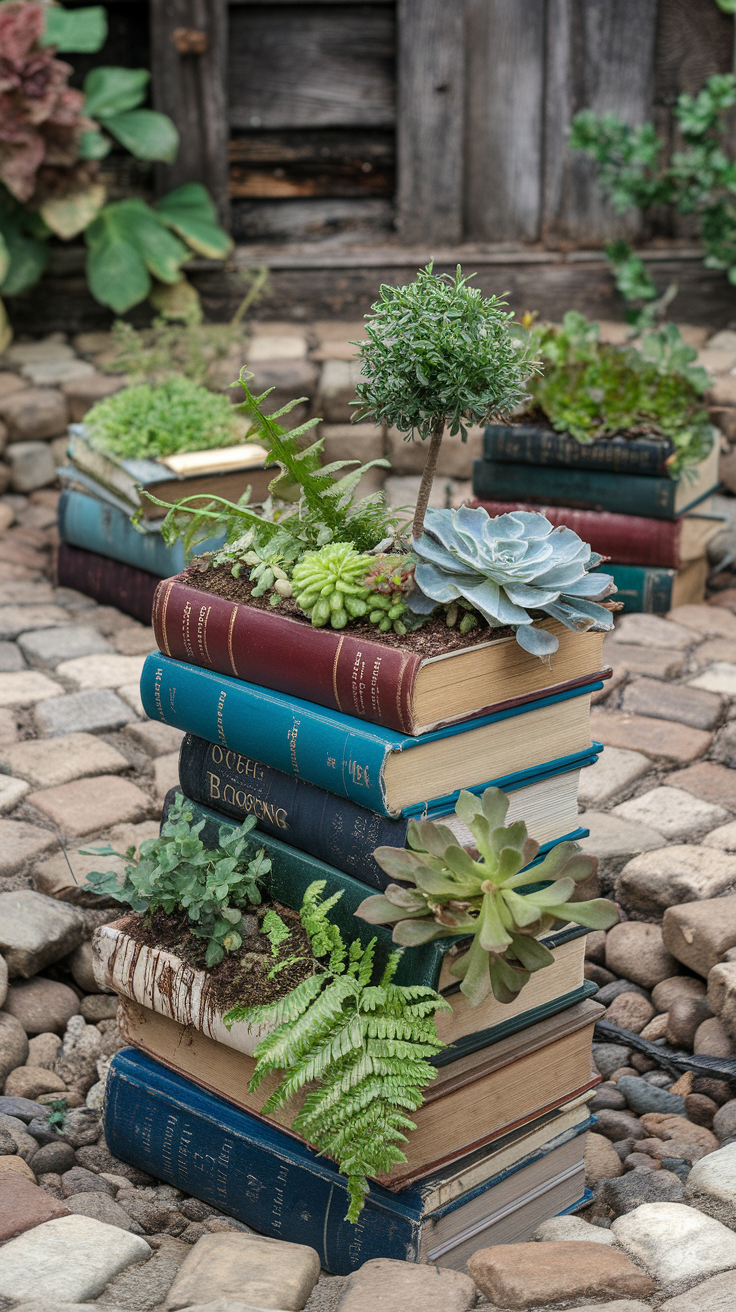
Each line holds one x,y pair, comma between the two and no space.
430,115
188,44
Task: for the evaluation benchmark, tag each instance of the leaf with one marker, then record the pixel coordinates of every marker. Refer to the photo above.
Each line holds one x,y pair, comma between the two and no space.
71,215
114,90
178,301
93,145
145,133
4,258
6,332
189,210
597,914
125,242
81,31
28,255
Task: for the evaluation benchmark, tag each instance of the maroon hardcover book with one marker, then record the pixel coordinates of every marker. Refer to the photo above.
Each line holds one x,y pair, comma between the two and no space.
108,581
625,539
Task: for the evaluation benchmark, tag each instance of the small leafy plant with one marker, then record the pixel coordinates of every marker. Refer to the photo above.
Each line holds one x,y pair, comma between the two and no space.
144,422
364,1048
592,389
175,872
506,567
439,353
454,894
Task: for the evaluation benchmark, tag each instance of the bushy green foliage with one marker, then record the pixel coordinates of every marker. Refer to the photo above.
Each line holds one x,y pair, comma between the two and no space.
364,1046
176,872
143,422
700,180
592,389
454,894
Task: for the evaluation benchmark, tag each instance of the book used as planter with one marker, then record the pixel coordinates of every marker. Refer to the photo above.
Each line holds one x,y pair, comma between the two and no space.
338,831
470,1104
658,497
386,683
110,582
96,525
657,591
376,767
178,1132
226,472
628,539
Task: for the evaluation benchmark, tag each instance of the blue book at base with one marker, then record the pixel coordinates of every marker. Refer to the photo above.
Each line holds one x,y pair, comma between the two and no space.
378,768
171,1128
97,525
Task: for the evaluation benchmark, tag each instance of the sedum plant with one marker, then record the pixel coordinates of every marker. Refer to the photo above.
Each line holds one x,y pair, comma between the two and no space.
439,353
175,872
507,567
363,1047
454,894
338,583
143,422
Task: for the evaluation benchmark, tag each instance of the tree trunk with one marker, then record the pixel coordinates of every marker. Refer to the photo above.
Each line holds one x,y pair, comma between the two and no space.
430,470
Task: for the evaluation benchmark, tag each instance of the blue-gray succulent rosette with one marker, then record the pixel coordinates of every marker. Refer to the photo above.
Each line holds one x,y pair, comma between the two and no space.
506,567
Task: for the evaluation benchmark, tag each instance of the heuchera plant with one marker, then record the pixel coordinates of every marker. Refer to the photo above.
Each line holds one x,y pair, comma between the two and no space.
455,894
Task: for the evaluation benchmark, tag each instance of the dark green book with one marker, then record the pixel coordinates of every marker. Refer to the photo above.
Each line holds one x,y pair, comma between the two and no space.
644,589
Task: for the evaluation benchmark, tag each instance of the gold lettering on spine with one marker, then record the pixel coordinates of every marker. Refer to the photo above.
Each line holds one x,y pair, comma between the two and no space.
334,672
163,635
230,642
400,681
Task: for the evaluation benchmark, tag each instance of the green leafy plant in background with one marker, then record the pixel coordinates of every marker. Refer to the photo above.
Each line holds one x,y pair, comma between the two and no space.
453,894
699,180
439,354
592,389
143,422
175,872
363,1046
52,138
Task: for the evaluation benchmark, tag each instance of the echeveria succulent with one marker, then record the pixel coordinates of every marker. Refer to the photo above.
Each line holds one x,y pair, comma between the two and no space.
508,566
454,894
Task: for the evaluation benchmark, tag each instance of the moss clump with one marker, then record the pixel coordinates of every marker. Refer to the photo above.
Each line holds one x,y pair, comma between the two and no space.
145,421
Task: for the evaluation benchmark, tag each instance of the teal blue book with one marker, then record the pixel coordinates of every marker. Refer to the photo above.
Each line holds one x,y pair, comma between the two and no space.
597,489
645,589
99,526
382,770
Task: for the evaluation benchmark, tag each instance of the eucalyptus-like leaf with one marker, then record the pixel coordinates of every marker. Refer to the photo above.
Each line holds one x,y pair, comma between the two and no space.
532,954
596,914
492,935
521,909
553,895
507,979
412,933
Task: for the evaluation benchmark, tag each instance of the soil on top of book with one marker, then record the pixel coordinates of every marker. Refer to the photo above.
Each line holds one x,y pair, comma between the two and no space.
538,419
432,639
245,977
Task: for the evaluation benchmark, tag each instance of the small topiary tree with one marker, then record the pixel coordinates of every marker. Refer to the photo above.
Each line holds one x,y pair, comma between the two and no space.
439,353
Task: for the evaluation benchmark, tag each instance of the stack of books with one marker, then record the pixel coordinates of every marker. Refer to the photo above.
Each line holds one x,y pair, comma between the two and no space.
617,495
333,742
101,553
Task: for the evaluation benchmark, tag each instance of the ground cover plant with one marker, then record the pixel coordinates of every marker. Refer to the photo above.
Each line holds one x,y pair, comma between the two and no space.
144,421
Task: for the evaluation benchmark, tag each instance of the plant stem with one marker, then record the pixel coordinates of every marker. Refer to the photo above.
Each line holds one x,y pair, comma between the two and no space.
430,470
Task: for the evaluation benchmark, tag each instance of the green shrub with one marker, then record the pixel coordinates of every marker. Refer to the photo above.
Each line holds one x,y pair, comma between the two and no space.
174,416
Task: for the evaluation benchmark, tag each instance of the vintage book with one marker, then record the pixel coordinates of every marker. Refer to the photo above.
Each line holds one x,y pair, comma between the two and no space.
471,1102
536,444
338,831
109,582
359,676
628,539
656,591
168,1126
378,768
124,477
95,525
626,494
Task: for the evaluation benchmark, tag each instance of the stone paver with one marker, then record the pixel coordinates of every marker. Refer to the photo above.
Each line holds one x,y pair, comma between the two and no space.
166,774
268,1271
46,764
718,1294
614,771
21,842
718,677
11,793
637,952
23,1205
724,837
35,930
99,710
714,783
101,671
383,1284
656,880
642,733
520,1276
572,1227
663,701
131,693
70,1259
48,647
34,413
11,658
611,835
711,1185
652,631
157,739
699,933
15,620
674,812
657,662
675,1242
705,620
85,805
27,687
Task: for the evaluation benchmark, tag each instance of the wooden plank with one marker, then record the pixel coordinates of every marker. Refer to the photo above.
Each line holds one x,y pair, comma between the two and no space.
505,44
430,119
600,56
295,66
313,162
191,89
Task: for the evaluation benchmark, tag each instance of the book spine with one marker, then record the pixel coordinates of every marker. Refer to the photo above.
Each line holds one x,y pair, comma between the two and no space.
643,590
96,525
327,827
586,489
626,539
293,871
167,1126
531,444
108,581
365,679
335,753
